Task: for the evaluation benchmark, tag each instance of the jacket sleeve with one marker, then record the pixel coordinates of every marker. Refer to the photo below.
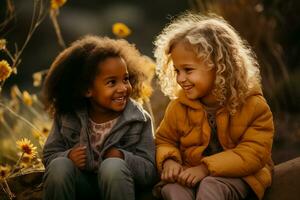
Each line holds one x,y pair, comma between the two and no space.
142,162
253,150
167,138
55,145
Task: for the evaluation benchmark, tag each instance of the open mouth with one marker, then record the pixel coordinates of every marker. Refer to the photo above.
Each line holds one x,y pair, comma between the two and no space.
187,87
120,99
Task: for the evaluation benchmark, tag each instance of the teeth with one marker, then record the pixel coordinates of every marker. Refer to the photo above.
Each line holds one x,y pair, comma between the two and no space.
187,88
119,99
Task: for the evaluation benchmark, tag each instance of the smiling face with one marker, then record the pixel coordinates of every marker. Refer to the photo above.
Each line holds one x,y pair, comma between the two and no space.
111,87
194,77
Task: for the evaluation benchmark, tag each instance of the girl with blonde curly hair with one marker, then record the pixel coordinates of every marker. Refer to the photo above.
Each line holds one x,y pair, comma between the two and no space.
101,143
215,139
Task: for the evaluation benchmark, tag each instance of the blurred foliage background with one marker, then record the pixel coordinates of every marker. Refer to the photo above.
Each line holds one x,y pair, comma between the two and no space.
272,28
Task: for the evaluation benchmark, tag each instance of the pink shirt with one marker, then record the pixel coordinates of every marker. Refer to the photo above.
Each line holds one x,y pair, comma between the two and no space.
98,134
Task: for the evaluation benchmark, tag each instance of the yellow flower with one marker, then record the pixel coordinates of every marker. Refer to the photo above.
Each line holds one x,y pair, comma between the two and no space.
45,131
5,70
26,147
2,44
27,99
15,91
37,79
56,4
24,165
4,171
27,159
121,30
36,134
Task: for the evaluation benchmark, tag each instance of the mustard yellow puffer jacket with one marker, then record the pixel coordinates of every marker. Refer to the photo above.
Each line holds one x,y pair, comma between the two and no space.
246,138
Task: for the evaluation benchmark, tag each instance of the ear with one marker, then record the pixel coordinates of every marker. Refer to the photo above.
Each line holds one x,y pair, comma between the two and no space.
88,93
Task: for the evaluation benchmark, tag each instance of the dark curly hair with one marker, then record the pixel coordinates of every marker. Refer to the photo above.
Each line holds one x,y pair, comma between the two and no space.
75,69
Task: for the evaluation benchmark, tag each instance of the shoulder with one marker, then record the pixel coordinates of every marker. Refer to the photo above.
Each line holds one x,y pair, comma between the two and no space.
135,111
70,120
254,107
176,112
175,106
256,103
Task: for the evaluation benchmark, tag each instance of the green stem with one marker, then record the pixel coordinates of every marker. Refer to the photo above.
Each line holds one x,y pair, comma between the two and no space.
8,191
19,116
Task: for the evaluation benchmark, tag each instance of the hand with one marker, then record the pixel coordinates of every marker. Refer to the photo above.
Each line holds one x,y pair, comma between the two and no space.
171,170
78,156
191,176
113,153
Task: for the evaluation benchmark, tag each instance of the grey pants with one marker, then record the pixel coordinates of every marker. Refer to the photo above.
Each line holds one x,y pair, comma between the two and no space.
210,188
63,180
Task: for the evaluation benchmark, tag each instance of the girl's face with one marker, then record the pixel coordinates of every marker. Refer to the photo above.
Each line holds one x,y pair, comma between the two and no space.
193,76
111,88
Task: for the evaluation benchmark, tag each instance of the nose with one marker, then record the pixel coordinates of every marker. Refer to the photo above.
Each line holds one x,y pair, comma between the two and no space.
180,77
122,88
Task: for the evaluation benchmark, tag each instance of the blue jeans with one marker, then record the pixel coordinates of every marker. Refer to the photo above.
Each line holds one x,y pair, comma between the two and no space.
63,180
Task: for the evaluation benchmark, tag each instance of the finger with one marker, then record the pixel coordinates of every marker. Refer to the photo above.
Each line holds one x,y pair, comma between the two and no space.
195,181
172,175
189,181
163,175
186,180
184,177
75,149
81,160
82,156
76,153
82,163
181,177
81,151
176,172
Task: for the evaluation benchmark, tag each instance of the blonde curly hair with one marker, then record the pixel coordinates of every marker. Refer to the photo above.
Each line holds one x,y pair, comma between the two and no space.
220,46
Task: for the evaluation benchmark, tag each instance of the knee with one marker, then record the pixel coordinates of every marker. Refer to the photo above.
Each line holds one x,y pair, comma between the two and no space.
113,169
168,189
60,170
209,180
213,185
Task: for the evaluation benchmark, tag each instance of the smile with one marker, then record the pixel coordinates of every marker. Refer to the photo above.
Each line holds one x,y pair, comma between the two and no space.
120,99
187,87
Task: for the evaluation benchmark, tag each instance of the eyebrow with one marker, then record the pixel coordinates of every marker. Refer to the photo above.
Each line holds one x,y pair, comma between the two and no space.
185,66
115,77
110,77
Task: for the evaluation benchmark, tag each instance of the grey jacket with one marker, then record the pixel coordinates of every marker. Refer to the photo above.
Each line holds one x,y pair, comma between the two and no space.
132,134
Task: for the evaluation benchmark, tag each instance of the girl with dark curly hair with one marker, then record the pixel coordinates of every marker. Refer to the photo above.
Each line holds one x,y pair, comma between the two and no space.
101,139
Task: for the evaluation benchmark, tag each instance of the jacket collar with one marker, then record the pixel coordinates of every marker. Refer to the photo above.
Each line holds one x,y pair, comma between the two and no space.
132,112
196,104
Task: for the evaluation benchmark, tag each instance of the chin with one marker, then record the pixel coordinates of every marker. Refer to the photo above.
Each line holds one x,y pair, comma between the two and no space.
119,108
191,96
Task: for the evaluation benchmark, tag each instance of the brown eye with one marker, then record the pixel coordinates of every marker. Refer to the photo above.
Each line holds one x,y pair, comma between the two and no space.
111,83
126,79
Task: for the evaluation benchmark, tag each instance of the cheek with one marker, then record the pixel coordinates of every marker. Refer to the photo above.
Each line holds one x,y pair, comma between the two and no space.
129,89
177,78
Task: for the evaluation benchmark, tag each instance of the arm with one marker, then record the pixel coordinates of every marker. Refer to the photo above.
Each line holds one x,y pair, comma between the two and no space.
55,146
142,162
191,176
167,138
253,151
